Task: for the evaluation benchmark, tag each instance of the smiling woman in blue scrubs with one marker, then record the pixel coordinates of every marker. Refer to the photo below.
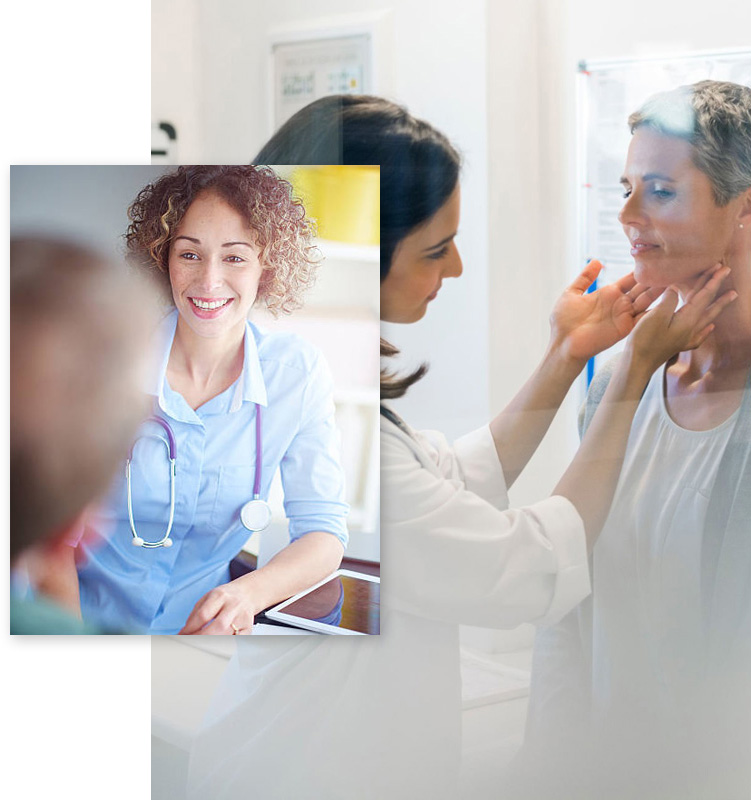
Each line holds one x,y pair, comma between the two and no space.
221,238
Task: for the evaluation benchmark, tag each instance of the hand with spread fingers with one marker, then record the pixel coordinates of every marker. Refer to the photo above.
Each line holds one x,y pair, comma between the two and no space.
663,332
584,324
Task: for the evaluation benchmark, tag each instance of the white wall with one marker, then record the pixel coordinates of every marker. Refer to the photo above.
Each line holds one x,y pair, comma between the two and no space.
437,69
523,277
175,72
86,203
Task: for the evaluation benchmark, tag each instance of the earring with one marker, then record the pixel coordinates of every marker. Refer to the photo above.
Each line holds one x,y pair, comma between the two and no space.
741,225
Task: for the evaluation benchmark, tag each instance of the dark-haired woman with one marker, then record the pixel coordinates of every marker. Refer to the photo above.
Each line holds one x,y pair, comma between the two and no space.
239,402
381,718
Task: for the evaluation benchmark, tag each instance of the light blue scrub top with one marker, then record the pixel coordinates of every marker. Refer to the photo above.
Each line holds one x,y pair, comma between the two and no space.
154,590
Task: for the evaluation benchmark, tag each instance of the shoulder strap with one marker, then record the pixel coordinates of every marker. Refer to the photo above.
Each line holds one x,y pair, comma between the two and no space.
395,419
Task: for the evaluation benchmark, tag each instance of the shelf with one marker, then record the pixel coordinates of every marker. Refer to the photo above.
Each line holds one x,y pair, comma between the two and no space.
357,396
343,251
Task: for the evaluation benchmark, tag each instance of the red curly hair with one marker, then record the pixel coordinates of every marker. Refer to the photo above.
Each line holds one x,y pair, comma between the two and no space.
283,232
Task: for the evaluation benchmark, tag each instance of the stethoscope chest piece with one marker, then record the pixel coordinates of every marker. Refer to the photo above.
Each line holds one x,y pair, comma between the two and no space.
256,515
137,541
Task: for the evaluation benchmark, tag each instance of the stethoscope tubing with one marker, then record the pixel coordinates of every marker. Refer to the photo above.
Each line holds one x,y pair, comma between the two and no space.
259,455
171,446
165,541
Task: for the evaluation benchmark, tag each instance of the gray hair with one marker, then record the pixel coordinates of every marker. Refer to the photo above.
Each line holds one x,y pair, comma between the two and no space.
715,118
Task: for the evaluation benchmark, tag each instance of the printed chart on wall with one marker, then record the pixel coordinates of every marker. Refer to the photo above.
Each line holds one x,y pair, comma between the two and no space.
608,91
307,70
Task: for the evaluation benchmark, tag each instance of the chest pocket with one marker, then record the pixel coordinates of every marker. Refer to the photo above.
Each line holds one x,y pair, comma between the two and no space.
234,487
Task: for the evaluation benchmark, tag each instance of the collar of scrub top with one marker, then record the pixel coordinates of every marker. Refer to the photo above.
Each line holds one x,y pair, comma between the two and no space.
250,388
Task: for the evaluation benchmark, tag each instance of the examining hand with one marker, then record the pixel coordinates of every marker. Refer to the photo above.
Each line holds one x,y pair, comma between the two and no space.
586,324
662,332
226,610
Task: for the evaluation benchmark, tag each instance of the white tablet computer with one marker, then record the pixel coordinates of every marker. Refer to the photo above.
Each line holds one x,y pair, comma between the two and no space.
346,603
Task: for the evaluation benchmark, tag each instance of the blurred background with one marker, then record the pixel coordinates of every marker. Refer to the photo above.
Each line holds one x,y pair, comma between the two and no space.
89,204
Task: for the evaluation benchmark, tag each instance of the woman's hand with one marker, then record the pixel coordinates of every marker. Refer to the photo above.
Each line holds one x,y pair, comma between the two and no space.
663,332
583,325
590,481
230,608
227,610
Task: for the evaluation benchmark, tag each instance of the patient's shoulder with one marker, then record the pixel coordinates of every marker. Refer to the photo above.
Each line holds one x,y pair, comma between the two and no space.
595,392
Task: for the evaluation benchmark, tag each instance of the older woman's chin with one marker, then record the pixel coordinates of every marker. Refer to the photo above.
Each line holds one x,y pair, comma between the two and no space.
648,275
661,277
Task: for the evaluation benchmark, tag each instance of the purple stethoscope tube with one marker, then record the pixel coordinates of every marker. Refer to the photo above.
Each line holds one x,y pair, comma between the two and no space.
255,514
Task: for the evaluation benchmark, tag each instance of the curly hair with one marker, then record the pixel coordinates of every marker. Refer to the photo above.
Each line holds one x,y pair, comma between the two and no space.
283,232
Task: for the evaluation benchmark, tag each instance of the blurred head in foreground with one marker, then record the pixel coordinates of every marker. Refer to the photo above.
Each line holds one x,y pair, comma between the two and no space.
78,335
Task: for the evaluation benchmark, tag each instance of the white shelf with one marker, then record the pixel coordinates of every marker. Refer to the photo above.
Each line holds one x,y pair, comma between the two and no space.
343,251
357,396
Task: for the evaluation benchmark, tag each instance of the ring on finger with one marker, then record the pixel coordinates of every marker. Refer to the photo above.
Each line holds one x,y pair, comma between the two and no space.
235,629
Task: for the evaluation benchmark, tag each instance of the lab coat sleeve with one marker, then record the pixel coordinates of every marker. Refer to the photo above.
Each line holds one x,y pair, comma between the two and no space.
311,471
454,551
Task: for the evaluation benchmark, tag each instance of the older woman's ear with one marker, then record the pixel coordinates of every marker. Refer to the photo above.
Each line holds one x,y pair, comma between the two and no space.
744,217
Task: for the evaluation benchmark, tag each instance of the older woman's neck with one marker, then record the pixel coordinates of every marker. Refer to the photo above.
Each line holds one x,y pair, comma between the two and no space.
729,345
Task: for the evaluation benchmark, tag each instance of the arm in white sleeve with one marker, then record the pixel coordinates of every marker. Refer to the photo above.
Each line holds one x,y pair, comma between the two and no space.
454,552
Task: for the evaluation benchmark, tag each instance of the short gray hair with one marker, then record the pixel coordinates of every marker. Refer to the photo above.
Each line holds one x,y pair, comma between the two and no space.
715,118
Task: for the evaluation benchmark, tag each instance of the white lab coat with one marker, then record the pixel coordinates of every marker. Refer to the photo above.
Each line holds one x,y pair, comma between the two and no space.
322,717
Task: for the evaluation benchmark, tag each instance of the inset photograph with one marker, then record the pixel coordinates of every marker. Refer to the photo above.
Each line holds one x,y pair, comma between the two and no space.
194,400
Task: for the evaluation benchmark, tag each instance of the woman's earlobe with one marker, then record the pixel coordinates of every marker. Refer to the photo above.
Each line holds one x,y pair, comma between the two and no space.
744,218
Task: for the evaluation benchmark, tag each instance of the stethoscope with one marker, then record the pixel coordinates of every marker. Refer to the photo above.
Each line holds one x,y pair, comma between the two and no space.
255,514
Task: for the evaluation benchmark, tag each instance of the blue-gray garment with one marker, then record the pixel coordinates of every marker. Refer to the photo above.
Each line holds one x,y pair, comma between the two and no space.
38,616
726,545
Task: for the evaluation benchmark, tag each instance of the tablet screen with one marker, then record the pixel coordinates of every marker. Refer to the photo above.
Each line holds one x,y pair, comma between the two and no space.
344,601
